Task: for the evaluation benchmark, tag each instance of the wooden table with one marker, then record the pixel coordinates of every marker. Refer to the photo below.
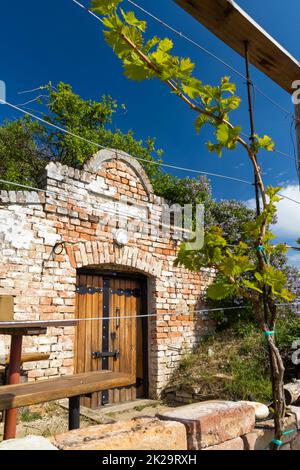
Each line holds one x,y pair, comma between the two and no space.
17,330
71,387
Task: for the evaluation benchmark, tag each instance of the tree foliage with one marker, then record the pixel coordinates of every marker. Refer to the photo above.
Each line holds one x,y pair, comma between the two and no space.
239,273
183,190
243,269
145,59
21,158
27,146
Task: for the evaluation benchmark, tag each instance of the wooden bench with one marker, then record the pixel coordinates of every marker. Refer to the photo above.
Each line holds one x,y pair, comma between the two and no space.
69,386
29,357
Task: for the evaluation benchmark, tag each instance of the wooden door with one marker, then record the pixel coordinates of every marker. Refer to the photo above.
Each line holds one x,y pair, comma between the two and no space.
112,334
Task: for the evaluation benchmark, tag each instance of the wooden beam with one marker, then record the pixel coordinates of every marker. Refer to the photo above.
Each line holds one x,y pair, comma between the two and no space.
234,26
27,357
10,326
31,393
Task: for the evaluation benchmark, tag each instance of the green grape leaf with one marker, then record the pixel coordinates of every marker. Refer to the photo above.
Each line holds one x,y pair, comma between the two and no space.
165,45
265,142
186,66
192,87
160,58
104,7
287,295
273,193
201,120
226,85
150,44
231,103
219,291
131,20
215,148
251,286
227,136
222,133
137,71
120,47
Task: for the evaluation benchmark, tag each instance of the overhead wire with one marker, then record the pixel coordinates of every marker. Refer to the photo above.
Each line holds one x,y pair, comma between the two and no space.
151,162
148,315
61,129
230,67
182,35
24,186
208,52
65,131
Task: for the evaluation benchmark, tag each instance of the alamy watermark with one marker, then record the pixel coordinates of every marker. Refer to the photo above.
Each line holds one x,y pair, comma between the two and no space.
296,353
165,222
128,222
2,92
296,93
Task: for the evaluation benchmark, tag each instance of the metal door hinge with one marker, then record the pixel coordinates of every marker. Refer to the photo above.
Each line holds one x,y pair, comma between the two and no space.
99,355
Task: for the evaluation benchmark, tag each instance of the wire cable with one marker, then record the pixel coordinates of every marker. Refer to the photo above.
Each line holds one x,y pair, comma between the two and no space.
65,131
148,315
182,35
284,154
166,165
26,186
203,49
211,54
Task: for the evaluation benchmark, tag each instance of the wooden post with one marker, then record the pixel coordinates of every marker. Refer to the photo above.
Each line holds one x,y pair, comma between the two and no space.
10,425
251,117
74,413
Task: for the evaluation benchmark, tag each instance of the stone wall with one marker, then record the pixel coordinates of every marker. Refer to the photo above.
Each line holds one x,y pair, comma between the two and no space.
74,210
207,426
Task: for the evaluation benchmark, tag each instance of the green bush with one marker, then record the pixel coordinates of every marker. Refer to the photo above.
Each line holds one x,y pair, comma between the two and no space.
287,331
239,355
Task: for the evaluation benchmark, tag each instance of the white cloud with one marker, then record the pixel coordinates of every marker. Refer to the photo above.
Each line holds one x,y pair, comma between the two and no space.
294,258
288,225
287,230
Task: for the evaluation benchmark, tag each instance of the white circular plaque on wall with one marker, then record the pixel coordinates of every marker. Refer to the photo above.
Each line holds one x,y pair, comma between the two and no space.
121,237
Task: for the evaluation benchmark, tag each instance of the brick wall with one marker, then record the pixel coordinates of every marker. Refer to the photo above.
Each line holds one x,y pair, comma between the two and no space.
73,211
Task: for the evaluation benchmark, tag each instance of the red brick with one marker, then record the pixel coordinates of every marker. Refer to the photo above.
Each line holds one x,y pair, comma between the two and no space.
213,422
75,220
137,434
233,444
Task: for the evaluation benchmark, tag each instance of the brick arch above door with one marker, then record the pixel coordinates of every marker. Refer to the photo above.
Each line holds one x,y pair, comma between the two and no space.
95,163
95,253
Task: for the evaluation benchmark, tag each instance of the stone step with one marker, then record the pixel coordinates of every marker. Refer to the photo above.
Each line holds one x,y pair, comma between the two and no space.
212,422
136,434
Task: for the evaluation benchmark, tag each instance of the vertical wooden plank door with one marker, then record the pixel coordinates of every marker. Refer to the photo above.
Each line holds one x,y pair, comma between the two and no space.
115,339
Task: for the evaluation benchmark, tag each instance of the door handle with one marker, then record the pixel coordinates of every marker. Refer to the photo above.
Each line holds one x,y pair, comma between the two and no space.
117,317
100,355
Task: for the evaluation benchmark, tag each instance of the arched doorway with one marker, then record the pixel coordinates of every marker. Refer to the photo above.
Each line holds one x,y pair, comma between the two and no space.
113,332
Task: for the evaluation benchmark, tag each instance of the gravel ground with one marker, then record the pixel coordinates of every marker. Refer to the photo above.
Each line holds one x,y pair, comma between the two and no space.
50,419
43,420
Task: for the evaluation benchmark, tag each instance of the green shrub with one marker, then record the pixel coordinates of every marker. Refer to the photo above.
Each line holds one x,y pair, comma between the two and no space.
287,331
238,353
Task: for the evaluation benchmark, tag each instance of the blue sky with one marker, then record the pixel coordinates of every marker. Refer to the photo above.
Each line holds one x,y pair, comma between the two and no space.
56,40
